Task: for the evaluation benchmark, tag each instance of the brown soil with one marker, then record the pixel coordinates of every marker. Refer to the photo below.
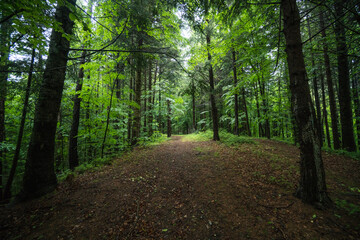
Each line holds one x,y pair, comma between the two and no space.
191,190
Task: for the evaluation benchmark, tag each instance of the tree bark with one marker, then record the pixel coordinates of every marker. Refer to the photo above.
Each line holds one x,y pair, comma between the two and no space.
312,187
145,100
108,118
316,90
246,113
258,111
7,190
136,125
130,120
346,119
333,109
39,177
73,137
236,107
4,66
265,105
193,104
214,111
168,118
150,104
355,89
325,117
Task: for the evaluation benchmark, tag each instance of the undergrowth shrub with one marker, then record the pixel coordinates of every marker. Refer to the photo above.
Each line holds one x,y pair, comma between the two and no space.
227,138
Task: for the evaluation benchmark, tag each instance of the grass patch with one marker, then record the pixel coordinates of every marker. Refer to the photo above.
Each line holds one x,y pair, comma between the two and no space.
227,138
354,155
156,139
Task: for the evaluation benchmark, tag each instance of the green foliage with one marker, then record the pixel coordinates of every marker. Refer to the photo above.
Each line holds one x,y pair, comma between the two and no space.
349,207
354,155
225,137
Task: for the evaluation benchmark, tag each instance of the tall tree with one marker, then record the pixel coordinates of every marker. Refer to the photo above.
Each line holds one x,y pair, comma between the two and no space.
214,111
4,66
347,128
73,136
312,187
39,177
315,86
136,124
168,118
7,190
332,103
236,107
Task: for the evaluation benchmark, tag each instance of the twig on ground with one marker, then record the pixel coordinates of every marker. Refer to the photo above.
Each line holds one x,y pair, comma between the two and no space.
267,206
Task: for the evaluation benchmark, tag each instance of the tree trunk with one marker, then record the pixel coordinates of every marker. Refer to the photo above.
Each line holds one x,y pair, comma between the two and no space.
73,157
214,111
7,190
333,109
258,111
150,104
356,106
137,110
168,118
246,113
4,66
145,101
193,105
325,117
312,187
39,177
236,109
108,118
347,128
316,91
73,137
160,115
265,105
129,125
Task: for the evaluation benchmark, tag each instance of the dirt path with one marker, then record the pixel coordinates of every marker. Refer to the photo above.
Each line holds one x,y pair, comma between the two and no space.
187,190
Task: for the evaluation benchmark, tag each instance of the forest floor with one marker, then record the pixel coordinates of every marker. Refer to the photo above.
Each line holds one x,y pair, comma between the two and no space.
193,190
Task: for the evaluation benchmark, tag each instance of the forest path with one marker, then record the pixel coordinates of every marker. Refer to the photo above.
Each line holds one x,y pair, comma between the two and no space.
188,190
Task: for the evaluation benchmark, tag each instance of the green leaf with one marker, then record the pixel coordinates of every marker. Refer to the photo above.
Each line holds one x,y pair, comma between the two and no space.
72,17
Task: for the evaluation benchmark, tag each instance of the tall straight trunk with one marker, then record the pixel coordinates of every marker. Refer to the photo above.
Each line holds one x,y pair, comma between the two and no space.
59,140
325,117
332,103
159,110
258,110
7,190
236,109
246,112
312,187
145,100
168,118
108,118
73,137
214,111
129,125
355,89
193,105
265,105
136,125
154,92
4,66
346,118
150,114
316,90
39,177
